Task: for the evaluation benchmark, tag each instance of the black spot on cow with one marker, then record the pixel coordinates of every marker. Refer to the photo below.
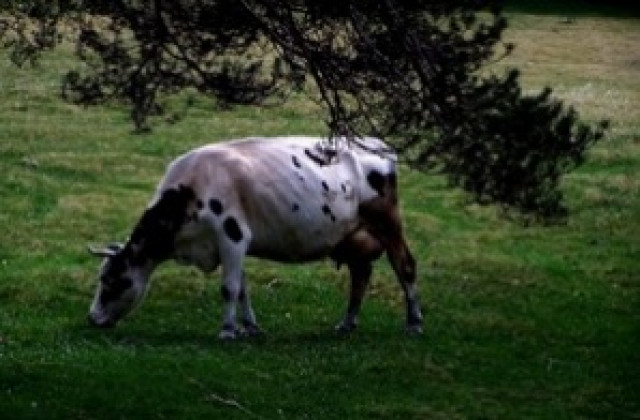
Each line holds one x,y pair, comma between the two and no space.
325,186
343,188
199,204
232,229
327,211
216,206
377,181
295,161
318,160
295,207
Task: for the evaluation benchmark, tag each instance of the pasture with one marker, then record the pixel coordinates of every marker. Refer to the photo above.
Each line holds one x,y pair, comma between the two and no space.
520,322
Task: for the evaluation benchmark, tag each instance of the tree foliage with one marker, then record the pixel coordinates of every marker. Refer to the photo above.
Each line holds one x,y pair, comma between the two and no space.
410,71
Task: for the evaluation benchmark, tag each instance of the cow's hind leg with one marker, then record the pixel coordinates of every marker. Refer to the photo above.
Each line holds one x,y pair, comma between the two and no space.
404,266
357,251
384,223
360,274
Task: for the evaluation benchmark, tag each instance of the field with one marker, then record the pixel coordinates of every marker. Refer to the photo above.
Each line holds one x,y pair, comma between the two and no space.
521,322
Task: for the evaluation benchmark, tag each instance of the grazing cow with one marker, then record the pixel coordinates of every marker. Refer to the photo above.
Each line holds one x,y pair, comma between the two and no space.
289,199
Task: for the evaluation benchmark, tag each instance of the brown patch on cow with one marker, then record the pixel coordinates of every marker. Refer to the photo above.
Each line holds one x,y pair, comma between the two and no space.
382,220
360,245
380,231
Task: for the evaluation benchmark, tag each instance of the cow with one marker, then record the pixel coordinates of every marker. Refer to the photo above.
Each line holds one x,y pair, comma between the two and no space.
288,199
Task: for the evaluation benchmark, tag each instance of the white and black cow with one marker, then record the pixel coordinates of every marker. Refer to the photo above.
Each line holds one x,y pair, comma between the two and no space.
289,199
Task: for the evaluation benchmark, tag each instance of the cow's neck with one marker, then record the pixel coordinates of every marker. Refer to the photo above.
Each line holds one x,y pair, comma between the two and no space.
153,239
137,256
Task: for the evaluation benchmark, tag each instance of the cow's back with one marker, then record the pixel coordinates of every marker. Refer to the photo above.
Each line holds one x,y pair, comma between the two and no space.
293,199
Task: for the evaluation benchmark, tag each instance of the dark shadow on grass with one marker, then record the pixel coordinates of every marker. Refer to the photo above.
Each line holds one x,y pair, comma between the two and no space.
133,335
136,336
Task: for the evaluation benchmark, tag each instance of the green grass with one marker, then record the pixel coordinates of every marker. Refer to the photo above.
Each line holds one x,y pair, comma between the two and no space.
537,322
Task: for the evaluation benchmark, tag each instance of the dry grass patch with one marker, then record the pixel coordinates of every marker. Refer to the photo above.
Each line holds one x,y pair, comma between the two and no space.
591,62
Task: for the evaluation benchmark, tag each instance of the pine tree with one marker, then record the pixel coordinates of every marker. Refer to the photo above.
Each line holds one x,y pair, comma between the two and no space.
411,71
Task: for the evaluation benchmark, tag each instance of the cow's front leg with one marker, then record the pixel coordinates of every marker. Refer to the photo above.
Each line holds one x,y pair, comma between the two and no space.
230,291
232,253
249,323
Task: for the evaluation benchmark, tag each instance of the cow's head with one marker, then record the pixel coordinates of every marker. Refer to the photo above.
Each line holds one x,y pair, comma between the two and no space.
123,281
125,270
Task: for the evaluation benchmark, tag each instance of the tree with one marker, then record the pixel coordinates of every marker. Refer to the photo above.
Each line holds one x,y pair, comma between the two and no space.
407,70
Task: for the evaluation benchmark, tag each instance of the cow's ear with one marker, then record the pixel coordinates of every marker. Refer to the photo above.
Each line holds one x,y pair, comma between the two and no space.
108,251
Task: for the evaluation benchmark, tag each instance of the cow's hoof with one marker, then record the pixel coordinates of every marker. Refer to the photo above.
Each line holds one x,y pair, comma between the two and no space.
100,324
414,330
345,328
228,334
252,330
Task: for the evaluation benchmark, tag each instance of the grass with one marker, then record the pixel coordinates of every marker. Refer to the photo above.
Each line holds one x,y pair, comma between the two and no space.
537,322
